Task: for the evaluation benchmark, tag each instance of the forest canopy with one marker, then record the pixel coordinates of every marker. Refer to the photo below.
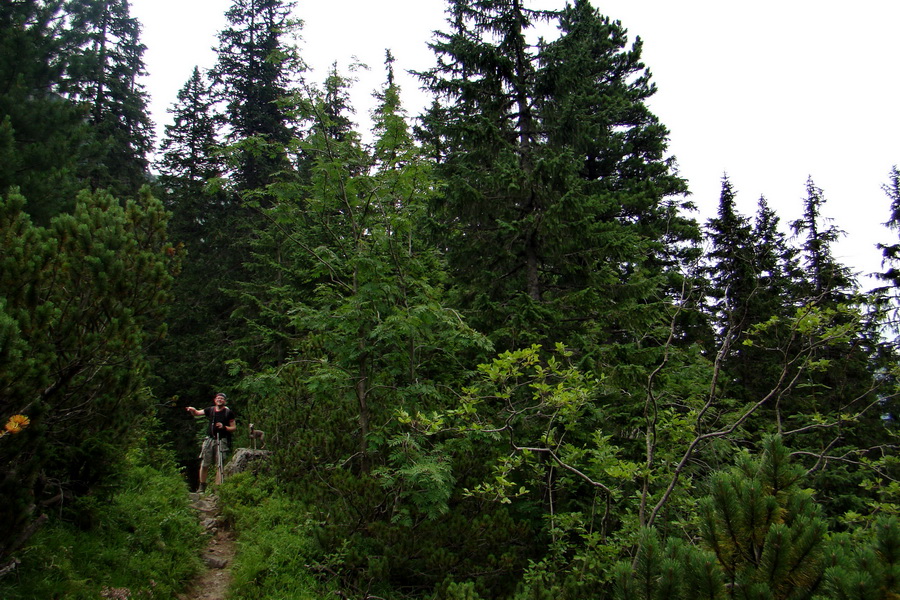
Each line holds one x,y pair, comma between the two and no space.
495,351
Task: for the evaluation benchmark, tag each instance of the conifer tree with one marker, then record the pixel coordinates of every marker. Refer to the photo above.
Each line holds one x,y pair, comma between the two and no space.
105,75
733,272
484,129
620,224
866,563
844,385
559,197
189,158
829,284
755,367
776,262
562,224
254,71
762,537
201,224
752,279
827,281
891,251
42,134
224,158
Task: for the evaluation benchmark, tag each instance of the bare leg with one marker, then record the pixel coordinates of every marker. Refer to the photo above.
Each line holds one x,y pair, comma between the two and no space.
204,472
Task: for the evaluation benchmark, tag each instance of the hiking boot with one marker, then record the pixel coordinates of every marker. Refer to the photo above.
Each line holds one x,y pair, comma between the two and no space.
202,488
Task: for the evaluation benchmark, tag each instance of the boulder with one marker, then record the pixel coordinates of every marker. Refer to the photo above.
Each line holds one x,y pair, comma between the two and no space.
245,459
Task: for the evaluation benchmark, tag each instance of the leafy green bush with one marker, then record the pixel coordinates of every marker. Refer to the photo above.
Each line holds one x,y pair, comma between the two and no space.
143,542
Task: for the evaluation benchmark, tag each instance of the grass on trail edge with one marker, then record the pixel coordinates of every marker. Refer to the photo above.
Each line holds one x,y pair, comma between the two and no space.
142,541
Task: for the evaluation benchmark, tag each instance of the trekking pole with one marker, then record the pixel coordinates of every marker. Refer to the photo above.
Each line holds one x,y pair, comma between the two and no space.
220,476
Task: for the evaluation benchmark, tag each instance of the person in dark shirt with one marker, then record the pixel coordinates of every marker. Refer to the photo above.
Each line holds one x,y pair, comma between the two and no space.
221,426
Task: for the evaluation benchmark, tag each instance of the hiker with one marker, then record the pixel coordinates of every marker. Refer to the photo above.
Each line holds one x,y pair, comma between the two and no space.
221,425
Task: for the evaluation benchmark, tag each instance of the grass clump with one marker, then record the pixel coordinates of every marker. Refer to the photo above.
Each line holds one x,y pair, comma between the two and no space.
275,541
139,539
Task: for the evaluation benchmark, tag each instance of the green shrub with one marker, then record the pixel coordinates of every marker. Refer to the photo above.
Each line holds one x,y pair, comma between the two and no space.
275,541
143,541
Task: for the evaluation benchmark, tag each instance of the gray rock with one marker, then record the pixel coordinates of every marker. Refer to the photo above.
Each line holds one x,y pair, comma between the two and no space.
214,562
245,459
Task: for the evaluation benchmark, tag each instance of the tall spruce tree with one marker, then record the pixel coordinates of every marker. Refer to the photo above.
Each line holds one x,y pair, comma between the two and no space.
777,264
756,367
202,224
189,151
42,133
562,223
733,272
254,70
228,144
827,281
846,383
618,232
254,77
891,251
751,276
105,75
558,209
484,130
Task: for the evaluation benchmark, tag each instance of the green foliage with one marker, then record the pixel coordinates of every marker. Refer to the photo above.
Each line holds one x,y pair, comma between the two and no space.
422,484
275,540
290,548
670,570
81,300
532,407
765,531
43,136
532,419
762,537
74,110
254,68
370,333
144,539
559,212
349,288
458,591
867,564
205,230
104,75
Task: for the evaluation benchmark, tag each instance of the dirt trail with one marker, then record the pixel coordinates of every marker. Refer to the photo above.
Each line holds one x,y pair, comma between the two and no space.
213,582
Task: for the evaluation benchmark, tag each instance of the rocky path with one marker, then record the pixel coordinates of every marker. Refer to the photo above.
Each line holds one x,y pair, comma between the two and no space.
213,582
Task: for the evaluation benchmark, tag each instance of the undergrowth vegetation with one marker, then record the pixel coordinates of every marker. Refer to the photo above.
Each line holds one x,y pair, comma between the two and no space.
277,551
139,540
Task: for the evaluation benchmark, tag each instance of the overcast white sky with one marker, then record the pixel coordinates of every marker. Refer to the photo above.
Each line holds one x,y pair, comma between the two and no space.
770,91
